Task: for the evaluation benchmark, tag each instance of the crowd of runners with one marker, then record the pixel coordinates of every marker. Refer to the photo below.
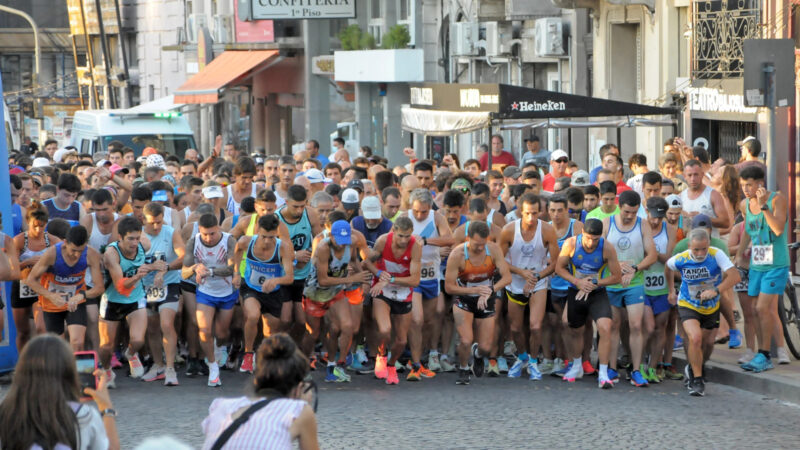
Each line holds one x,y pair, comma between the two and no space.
523,269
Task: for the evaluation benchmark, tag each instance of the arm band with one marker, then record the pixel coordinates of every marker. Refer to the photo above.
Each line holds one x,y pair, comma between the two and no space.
120,286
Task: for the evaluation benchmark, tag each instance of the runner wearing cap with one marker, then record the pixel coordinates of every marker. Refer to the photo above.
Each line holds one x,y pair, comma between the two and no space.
244,171
316,179
589,264
558,168
351,200
656,314
705,271
580,178
767,227
674,216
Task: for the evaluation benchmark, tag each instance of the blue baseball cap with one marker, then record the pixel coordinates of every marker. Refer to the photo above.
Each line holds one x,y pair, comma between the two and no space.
340,231
160,196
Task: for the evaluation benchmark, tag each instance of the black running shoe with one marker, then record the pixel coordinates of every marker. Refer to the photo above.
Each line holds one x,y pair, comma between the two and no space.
202,367
477,361
688,374
697,387
191,367
463,377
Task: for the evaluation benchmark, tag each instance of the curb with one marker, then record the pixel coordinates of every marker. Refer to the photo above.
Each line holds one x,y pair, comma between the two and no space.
765,383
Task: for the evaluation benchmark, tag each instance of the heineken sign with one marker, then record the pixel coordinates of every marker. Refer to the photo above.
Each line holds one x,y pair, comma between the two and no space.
302,9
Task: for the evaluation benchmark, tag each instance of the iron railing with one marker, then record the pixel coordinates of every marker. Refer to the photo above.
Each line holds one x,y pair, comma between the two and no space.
719,29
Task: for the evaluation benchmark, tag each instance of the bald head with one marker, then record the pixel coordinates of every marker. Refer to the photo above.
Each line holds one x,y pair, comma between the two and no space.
374,170
409,183
303,181
342,157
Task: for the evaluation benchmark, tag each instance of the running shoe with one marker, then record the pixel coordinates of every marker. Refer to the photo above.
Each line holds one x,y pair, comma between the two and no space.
638,380
613,375
413,375
588,369
671,374
221,355
783,356
213,376
574,373
247,363
746,357
628,370
735,339
758,364
399,366
192,368
170,377
678,344
697,387
137,370
477,361
463,377
446,366
493,370
330,377
604,383
546,367
203,365
391,375
688,375
426,373
502,364
509,349
115,362
434,365
533,370
357,366
558,365
155,373
111,379
562,371
361,355
380,368
516,370
341,375
179,359
651,376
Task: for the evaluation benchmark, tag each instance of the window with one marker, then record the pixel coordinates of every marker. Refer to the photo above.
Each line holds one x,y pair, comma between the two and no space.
376,20
405,16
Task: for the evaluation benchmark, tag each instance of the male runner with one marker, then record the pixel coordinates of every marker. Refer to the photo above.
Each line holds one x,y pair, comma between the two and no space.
303,225
589,264
608,198
58,279
395,263
209,256
636,252
704,272
430,228
124,298
478,212
262,282
766,224
472,277
530,247
701,199
64,204
334,268
162,291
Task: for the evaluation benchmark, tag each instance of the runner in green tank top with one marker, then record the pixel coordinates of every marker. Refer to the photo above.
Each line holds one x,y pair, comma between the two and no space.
766,226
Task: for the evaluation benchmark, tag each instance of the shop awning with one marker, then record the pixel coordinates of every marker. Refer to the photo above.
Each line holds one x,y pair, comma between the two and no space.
442,123
228,69
609,123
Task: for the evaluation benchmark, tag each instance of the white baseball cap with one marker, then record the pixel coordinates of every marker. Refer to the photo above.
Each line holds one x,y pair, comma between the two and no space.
210,192
371,207
557,154
350,199
674,201
580,178
41,162
316,176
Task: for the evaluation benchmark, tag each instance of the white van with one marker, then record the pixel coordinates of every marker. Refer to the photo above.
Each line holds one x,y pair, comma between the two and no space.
169,131
12,139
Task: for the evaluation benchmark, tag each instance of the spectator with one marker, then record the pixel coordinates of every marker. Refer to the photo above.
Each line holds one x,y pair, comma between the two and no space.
500,157
42,408
312,147
535,153
558,168
604,150
277,412
751,154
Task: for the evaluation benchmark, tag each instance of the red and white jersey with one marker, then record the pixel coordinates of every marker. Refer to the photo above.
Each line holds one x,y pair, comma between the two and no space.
397,267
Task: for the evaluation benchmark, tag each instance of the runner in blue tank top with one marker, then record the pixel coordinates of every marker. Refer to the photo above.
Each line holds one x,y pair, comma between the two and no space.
583,262
262,282
303,225
63,205
767,227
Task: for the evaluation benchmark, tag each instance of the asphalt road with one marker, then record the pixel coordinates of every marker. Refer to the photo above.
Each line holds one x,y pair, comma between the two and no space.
489,413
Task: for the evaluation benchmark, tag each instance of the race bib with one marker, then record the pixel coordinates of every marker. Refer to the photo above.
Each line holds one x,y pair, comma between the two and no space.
696,289
428,272
155,294
396,292
66,290
585,275
741,286
480,283
26,292
762,255
655,281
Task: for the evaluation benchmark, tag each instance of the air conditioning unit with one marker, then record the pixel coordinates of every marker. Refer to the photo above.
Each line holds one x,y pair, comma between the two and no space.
463,36
194,22
223,29
549,37
491,37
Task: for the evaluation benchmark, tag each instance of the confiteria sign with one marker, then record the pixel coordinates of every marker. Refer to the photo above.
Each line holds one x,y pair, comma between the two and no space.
712,100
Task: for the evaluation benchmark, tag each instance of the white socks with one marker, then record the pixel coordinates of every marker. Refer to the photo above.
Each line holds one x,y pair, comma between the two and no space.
576,369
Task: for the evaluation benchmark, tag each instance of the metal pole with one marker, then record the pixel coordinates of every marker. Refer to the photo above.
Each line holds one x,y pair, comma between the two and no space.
128,94
106,56
90,55
489,155
769,78
36,49
75,58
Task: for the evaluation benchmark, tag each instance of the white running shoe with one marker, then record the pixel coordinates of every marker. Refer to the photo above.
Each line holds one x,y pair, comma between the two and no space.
783,356
746,357
111,377
434,364
213,375
156,372
137,370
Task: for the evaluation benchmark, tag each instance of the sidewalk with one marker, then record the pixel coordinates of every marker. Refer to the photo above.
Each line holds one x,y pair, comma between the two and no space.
782,383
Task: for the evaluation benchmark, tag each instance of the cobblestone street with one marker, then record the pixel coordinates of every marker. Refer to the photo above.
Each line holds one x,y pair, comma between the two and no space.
490,413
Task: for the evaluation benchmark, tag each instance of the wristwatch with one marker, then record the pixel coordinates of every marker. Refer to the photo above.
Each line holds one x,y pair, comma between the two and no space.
765,207
110,412
391,280
635,268
424,241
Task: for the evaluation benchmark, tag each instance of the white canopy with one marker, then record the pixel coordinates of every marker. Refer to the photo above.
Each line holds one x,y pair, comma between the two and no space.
442,123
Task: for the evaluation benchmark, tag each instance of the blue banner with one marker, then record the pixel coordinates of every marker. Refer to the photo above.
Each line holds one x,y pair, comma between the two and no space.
8,338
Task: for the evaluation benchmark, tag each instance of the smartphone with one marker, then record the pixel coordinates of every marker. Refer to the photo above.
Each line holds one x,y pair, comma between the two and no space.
86,363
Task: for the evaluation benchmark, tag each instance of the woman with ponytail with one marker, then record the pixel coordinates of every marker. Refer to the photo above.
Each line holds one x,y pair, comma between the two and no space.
276,413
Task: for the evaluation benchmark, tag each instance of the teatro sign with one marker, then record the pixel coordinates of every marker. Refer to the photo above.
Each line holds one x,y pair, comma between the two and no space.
712,100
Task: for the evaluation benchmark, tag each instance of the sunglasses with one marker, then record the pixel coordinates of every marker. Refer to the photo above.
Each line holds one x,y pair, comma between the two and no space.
561,160
465,190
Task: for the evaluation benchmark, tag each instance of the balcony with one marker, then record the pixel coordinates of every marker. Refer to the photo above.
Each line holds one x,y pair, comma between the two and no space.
719,29
380,66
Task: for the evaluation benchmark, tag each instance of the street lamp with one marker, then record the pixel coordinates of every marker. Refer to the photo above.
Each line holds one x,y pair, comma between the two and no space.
27,17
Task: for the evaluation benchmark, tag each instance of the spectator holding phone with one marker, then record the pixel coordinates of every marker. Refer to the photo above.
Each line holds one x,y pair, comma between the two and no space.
276,413
42,409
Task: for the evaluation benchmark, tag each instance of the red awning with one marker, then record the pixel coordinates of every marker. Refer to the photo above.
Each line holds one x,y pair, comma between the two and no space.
229,68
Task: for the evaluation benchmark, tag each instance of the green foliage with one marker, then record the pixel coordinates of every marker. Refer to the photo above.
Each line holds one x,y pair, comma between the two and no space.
397,37
350,37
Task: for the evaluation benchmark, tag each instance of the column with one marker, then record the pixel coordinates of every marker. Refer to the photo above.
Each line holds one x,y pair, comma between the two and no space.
397,94
363,110
316,38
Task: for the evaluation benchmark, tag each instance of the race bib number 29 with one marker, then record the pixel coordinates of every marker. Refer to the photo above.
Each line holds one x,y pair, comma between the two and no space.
762,255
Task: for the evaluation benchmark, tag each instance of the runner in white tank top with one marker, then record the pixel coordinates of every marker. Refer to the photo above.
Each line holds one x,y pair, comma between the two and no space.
530,246
701,205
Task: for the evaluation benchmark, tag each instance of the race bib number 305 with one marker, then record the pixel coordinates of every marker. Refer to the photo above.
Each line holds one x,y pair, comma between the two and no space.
762,255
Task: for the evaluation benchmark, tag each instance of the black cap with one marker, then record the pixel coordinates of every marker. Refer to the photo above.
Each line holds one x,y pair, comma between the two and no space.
533,138
357,185
657,207
701,221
